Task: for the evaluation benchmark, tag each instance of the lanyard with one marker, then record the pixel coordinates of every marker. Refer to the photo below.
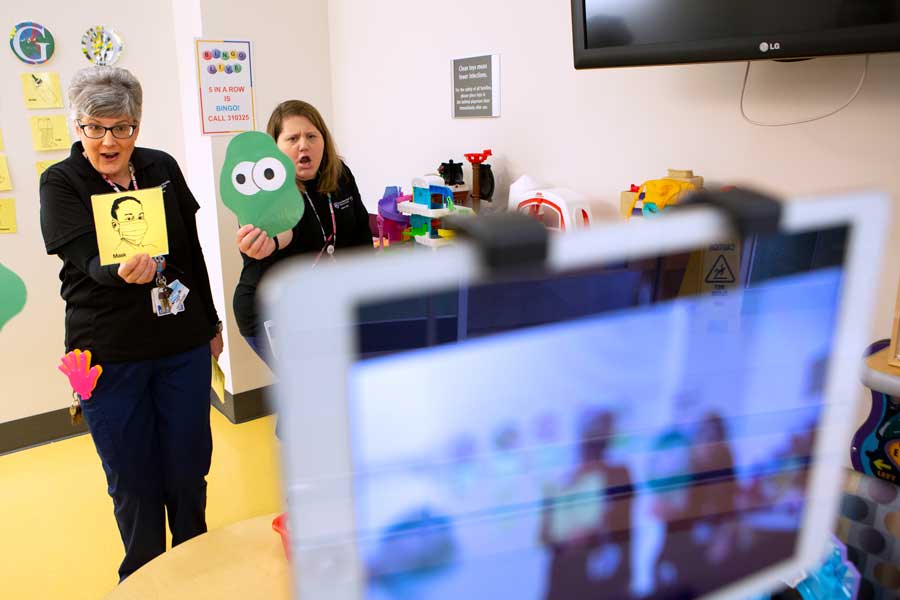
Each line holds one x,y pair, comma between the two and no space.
113,184
160,261
329,241
160,266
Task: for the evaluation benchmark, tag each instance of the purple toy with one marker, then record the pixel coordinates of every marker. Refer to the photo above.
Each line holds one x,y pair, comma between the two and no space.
392,223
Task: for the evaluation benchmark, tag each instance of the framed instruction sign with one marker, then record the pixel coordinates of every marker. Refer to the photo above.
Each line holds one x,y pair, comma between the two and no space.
225,76
476,86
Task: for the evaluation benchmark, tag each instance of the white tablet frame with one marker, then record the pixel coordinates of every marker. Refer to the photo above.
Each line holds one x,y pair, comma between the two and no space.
314,310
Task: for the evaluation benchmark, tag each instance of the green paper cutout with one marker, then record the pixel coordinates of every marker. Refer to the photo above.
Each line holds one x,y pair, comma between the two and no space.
12,295
257,184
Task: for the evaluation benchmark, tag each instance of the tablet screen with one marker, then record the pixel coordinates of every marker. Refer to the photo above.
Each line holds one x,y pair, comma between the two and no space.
630,431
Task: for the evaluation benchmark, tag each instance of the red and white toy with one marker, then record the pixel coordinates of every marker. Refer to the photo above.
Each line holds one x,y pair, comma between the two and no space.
559,209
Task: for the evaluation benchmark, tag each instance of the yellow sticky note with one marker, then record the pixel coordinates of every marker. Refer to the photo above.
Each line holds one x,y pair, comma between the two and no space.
41,90
1,141
218,381
50,132
42,165
5,180
130,223
7,215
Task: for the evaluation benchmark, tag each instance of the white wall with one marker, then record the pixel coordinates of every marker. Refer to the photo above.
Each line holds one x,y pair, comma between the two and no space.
599,131
32,343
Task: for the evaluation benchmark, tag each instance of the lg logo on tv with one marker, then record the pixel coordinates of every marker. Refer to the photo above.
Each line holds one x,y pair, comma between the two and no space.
766,46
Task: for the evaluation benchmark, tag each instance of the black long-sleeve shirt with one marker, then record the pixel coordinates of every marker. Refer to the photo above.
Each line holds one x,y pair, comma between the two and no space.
111,318
351,218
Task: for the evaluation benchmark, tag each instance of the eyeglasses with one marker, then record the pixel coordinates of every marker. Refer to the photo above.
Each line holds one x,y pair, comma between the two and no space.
97,132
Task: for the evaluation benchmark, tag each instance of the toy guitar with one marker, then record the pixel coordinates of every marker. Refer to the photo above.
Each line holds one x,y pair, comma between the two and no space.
876,445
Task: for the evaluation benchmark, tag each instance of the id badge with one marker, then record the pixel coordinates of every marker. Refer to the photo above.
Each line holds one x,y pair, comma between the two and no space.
160,302
177,295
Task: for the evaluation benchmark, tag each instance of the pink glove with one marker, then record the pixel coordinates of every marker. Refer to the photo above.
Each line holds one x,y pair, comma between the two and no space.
76,365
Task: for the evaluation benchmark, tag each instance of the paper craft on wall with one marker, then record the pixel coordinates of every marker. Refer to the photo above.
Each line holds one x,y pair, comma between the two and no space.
32,43
102,45
42,165
130,223
41,90
257,184
7,215
50,132
5,179
12,295
1,141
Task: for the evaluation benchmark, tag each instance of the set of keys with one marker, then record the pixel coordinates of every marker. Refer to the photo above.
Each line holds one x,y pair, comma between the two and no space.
75,415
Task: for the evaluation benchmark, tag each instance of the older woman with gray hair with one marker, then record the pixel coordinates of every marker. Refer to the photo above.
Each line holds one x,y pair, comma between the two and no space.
149,414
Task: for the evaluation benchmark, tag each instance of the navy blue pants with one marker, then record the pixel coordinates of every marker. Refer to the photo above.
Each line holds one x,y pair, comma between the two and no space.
150,424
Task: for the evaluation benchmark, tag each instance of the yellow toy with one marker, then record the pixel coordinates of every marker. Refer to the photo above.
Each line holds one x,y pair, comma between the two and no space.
658,194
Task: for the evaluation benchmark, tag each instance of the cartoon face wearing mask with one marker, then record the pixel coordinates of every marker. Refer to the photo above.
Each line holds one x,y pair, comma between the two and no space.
257,184
128,220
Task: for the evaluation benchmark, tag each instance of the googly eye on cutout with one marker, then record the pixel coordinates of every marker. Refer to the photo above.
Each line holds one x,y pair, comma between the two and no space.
242,178
269,174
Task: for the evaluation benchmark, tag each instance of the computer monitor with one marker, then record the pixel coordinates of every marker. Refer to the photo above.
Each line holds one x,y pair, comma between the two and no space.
634,420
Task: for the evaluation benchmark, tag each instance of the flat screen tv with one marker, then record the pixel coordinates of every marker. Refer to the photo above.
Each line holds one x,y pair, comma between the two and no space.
617,33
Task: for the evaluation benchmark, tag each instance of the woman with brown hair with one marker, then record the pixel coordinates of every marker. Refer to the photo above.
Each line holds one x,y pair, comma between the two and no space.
335,216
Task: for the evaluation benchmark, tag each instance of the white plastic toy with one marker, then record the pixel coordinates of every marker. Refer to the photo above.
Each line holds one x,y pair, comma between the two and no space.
559,209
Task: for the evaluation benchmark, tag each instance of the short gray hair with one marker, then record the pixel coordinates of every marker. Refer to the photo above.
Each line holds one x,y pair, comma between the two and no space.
102,91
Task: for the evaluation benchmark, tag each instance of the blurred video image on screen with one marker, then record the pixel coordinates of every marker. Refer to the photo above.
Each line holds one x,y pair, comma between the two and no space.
657,452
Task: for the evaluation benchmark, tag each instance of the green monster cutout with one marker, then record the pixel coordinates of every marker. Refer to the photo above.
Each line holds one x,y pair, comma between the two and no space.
257,184
12,295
